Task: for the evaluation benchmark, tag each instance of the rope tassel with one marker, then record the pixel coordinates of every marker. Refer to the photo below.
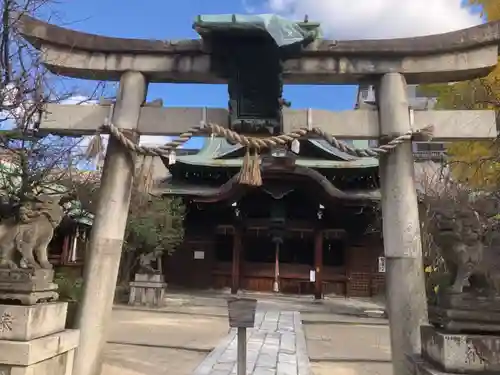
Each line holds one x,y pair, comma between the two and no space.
250,170
95,147
144,175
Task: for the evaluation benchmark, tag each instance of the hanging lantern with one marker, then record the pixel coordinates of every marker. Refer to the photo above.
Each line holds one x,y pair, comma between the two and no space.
251,51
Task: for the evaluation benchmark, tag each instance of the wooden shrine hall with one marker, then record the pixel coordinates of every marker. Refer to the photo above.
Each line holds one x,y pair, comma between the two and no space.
311,228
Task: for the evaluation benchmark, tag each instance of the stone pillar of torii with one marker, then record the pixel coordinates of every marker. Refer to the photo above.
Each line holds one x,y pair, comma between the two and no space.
389,64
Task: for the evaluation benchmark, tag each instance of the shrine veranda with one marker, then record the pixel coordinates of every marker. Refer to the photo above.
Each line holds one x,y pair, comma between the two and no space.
306,203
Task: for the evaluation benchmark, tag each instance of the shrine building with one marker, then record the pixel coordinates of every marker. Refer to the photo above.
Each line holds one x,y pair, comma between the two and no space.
311,228
313,225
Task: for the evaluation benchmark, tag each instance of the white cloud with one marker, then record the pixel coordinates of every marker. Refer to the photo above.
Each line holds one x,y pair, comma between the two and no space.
79,99
374,19
14,109
82,146
145,140
151,140
14,113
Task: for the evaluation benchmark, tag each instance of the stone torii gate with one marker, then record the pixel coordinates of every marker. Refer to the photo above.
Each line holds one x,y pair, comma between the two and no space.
390,64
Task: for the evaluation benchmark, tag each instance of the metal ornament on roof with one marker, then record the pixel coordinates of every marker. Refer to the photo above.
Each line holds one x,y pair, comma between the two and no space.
249,50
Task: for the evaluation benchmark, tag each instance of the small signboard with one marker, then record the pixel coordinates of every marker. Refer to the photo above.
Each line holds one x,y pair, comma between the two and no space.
312,276
241,312
381,264
199,255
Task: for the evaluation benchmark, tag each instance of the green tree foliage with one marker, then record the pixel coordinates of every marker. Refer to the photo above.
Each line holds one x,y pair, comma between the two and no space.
472,162
475,163
154,224
490,8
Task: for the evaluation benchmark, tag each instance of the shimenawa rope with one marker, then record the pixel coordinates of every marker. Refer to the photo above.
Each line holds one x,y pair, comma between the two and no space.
250,171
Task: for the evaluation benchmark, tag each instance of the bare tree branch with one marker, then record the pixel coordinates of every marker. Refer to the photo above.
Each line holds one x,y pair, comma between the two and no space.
31,164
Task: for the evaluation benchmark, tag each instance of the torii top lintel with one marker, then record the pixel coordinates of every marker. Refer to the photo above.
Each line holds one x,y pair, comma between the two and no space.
453,56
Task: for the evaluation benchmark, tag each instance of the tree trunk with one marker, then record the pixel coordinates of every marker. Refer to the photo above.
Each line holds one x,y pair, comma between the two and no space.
128,262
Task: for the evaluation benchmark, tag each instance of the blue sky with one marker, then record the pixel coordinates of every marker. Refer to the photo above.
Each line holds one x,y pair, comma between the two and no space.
162,19
341,19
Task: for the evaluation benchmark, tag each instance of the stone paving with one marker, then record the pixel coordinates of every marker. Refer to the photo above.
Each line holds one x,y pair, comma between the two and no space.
176,338
150,342
276,346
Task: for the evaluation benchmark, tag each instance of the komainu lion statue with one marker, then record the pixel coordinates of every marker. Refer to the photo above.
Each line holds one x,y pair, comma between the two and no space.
25,238
469,243
146,263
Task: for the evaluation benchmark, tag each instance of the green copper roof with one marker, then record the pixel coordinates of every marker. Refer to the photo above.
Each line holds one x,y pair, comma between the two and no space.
217,152
283,31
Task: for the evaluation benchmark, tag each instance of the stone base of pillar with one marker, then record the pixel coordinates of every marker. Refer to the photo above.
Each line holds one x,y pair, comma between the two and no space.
458,353
147,290
33,340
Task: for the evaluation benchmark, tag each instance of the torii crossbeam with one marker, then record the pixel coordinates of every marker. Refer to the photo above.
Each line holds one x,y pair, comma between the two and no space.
390,64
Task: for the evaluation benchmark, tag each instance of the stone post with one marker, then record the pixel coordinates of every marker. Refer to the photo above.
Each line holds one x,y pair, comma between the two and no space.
236,265
103,258
405,286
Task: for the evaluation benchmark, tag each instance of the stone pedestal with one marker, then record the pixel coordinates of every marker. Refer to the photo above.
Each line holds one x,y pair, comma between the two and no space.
464,337
458,353
33,340
147,290
27,286
466,312
461,352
